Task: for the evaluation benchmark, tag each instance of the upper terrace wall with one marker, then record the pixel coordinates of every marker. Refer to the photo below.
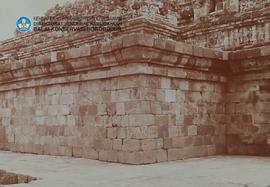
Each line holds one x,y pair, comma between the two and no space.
230,28
236,24
230,31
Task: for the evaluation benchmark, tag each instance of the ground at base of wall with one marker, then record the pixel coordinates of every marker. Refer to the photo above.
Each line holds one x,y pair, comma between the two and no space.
223,171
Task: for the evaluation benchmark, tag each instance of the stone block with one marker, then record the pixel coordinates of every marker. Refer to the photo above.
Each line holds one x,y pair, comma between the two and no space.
141,119
170,95
117,144
195,151
106,47
161,155
180,47
265,51
120,108
36,149
111,109
109,156
101,143
141,157
131,145
129,40
205,130
192,130
120,95
159,43
57,150
63,110
101,109
188,49
192,141
197,51
77,152
175,154
53,56
170,45
2,135
5,112
169,59
54,99
138,39
152,144
165,83
262,107
211,53
173,131
178,142
121,132
52,90
147,157
71,120
43,59
142,132
137,107
6,121
40,120
261,118
161,120
188,120
70,88
117,43
127,158
53,110
95,49
112,132
163,131
88,110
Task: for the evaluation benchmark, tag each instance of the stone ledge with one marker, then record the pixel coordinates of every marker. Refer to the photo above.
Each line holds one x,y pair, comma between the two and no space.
55,42
126,49
250,53
115,71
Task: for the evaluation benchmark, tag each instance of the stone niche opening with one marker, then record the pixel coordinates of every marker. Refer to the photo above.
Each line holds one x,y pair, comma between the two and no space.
7,178
216,5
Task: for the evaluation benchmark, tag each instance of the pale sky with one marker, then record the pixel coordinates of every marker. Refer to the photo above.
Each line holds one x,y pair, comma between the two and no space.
11,10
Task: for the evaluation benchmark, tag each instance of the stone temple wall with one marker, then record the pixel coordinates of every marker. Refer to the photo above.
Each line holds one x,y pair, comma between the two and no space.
145,94
112,103
247,103
230,30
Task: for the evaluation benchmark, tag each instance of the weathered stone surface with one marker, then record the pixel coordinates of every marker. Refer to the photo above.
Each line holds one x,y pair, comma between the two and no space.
160,89
7,178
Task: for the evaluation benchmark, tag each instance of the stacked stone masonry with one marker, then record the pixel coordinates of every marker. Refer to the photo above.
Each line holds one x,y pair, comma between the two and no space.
247,103
141,95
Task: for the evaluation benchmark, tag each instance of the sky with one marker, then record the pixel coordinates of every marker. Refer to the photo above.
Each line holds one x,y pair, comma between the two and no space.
11,10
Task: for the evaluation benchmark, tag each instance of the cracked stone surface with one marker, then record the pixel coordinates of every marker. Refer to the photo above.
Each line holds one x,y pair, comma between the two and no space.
218,171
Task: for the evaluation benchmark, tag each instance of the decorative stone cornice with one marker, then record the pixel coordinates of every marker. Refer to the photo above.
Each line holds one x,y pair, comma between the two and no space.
132,48
42,43
254,60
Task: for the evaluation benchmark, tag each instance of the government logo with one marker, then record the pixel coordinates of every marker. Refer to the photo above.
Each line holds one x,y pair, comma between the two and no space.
23,24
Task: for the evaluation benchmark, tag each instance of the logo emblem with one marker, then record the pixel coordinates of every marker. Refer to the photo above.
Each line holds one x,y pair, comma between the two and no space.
23,24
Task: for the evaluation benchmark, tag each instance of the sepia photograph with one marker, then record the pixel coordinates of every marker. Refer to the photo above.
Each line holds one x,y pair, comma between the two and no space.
135,93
